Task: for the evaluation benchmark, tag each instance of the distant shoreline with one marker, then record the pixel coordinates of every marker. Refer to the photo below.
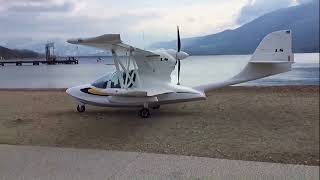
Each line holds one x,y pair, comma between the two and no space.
33,89
106,56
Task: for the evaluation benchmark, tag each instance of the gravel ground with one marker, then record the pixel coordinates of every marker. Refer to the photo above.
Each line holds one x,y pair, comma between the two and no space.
273,124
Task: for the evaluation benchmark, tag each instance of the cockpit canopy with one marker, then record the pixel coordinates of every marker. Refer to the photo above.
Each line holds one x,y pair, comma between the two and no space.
112,80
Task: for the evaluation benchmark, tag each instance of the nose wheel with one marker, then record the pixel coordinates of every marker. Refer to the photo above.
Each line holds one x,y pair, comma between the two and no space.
156,107
81,108
144,113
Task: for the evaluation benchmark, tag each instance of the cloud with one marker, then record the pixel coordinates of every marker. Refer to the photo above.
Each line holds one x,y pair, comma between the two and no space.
40,7
158,21
62,19
45,19
256,8
306,1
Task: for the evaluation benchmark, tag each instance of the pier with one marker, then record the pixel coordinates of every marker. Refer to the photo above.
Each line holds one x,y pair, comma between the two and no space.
51,59
69,60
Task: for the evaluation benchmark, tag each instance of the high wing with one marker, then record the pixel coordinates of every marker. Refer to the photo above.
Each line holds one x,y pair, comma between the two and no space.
110,42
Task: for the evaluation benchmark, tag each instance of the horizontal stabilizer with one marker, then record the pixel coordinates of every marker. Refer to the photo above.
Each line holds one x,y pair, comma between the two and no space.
269,62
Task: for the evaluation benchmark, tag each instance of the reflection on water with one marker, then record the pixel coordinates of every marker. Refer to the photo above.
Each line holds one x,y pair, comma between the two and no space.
195,70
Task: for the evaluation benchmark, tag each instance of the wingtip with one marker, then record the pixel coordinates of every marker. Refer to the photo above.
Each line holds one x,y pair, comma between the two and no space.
71,41
74,41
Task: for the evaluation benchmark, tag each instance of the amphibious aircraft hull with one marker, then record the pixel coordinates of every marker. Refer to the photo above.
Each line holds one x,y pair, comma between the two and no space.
83,95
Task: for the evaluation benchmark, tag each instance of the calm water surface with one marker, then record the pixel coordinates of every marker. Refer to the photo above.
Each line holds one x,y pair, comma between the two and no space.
195,70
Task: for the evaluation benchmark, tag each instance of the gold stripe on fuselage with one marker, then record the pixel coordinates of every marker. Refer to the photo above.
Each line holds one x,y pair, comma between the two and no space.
97,92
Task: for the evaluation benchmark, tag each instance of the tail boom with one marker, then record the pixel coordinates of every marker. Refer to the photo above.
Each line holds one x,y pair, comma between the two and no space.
272,56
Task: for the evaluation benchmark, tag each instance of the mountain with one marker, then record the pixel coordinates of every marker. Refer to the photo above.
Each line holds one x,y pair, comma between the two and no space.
14,54
303,20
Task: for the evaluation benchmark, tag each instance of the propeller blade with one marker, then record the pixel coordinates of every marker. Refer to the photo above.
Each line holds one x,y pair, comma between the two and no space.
179,41
179,64
178,50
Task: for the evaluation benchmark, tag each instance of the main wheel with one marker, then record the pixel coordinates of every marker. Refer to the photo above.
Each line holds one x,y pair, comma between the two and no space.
144,113
156,107
81,108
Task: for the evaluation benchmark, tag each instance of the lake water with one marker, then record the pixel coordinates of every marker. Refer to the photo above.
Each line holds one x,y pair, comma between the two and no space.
195,70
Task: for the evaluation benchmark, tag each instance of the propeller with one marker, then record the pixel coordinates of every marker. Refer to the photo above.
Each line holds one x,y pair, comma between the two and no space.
178,50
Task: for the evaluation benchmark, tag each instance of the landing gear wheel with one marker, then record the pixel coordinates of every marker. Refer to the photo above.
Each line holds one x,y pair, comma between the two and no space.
81,108
156,107
144,113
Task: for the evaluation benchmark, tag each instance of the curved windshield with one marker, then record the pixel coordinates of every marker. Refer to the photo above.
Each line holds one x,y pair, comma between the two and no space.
109,81
112,81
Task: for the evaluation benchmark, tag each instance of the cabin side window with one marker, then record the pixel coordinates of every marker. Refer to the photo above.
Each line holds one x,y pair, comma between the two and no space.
108,81
112,80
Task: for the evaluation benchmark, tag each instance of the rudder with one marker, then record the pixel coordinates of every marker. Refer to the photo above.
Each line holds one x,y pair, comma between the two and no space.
276,47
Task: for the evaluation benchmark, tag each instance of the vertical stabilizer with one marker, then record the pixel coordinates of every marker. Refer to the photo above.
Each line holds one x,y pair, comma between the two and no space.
275,47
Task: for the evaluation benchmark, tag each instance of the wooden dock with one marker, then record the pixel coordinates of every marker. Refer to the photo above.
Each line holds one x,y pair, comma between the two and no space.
38,62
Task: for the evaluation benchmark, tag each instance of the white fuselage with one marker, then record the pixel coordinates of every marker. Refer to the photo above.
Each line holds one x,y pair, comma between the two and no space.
154,77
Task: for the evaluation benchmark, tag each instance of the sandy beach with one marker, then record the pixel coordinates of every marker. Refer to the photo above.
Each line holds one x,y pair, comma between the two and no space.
272,124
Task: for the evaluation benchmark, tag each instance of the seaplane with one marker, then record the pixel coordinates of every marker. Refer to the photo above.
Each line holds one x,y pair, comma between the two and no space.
142,78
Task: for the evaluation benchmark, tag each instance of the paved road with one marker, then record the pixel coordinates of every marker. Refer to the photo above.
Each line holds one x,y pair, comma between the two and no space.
33,162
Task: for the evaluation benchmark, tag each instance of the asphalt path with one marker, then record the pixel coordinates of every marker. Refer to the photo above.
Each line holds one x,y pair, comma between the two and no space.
35,162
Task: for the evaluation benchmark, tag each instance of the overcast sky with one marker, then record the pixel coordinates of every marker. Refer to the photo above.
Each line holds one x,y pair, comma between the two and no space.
157,19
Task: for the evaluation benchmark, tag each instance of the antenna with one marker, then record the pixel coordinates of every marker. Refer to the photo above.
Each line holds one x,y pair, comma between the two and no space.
144,44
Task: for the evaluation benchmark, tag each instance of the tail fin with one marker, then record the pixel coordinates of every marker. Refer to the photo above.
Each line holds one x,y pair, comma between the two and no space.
272,56
276,47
